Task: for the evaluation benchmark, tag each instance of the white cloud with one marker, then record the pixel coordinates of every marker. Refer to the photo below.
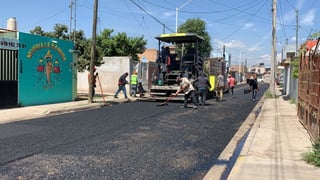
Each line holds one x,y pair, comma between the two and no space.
231,44
168,14
255,48
249,26
308,19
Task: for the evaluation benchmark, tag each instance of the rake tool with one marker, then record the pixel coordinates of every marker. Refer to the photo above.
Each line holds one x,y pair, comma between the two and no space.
168,99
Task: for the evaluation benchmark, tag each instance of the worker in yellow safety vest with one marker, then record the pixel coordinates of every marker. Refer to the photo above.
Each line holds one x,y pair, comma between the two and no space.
134,83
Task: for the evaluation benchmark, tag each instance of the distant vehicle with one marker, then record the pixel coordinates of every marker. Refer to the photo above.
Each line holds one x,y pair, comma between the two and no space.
260,80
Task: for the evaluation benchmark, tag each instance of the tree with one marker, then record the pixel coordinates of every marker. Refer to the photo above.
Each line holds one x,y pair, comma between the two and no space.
120,44
83,50
38,31
60,32
198,26
314,36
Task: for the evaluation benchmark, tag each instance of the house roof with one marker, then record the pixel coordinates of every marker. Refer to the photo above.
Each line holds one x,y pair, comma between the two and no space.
310,44
148,55
313,48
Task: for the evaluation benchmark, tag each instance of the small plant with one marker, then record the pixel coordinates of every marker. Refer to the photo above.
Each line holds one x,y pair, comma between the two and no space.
268,95
292,101
313,157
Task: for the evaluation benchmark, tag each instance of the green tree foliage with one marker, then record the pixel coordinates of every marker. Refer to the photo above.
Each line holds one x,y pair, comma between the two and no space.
198,26
83,48
38,31
120,44
60,32
315,36
295,71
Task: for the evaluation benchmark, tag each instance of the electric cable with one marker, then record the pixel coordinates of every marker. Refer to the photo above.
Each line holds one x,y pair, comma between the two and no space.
157,20
279,10
236,30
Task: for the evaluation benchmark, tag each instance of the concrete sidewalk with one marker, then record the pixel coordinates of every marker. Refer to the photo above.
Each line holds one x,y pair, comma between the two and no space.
29,112
273,148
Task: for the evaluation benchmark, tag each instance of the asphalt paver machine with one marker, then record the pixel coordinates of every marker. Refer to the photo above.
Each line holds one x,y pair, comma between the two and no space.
178,55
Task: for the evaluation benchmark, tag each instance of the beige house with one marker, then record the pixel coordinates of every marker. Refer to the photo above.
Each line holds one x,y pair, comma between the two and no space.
149,55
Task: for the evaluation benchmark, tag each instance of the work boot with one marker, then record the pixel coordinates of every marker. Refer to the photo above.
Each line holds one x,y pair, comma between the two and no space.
183,106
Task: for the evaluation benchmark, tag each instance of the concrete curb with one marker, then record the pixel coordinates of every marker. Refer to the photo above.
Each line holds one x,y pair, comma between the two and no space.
225,161
75,108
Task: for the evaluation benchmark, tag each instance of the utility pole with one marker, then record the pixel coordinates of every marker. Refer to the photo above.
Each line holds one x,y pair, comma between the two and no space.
75,21
245,69
70,26
297,29
239,67
229,62
274,55
93,50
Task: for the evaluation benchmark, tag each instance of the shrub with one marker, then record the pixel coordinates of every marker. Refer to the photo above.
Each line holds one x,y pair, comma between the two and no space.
268,95
313,157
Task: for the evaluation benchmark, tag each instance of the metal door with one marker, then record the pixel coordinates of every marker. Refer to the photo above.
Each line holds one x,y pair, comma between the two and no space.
8,77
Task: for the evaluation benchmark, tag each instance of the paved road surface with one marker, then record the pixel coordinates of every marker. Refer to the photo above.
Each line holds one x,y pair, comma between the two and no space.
136,140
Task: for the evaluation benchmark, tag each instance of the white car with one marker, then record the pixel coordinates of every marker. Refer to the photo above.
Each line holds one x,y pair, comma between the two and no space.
260,80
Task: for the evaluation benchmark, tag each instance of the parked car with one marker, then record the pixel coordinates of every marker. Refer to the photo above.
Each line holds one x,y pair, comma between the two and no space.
260,80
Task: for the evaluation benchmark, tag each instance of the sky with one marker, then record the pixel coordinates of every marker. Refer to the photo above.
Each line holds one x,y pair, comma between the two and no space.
243,27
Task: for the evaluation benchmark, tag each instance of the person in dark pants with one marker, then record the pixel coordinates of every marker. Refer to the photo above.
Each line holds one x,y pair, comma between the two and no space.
141,91
202,85
188,89
231,83
253,88
94,80
134,83
220,86
122,85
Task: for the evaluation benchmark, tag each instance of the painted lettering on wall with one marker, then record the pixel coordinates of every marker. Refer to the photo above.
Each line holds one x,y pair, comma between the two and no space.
49,45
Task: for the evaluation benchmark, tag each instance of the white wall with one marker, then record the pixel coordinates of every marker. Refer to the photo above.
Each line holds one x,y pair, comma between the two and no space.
109,73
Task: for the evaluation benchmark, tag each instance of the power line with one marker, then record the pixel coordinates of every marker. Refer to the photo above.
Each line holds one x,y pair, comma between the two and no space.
293,7
236,30
164,26
281,20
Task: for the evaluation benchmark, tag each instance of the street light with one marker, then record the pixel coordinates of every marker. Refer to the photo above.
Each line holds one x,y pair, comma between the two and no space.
177,9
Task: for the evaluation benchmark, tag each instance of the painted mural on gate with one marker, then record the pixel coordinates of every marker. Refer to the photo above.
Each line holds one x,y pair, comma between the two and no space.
45,69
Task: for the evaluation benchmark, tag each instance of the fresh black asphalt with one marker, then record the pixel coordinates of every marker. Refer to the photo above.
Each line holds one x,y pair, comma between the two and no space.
137,140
